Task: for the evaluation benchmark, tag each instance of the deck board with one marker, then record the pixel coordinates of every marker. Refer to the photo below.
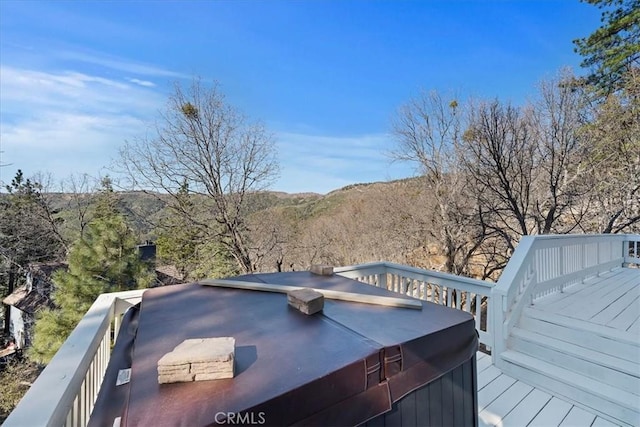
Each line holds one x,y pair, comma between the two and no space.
528,408
552,414
493,390
488,375
497,410
578,417
589,301
612,300
561,300
601,422
617,308
630,315
587,309
483,361
507,402
635,328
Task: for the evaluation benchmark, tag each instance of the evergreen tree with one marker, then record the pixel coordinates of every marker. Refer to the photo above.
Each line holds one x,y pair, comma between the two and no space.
104,260
613,50
183,243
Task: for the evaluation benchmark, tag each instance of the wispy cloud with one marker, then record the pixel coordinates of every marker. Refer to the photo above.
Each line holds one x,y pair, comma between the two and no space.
324,163
117,63
144,83
29,92
64,122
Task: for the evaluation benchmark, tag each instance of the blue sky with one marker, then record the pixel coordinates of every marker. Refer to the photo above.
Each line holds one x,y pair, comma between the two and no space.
77,79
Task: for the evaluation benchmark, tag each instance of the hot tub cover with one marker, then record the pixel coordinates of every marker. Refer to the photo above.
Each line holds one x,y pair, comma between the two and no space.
343,366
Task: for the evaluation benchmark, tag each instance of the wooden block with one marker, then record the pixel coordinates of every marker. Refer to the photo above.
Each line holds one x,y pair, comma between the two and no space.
306,300
321,270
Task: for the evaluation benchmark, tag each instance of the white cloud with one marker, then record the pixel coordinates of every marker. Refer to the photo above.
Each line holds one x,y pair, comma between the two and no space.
119,64
324,163
145,83
30,92
66,122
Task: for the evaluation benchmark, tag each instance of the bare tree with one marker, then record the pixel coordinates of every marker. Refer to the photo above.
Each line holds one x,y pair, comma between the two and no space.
499,154
559,166
429,130
528,162
274,238
202,141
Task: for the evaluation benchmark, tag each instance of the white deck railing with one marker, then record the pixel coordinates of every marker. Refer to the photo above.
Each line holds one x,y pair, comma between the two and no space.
66,390
542,265
470,295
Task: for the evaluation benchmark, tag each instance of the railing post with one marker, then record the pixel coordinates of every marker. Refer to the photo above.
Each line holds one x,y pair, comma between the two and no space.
561,269
382,278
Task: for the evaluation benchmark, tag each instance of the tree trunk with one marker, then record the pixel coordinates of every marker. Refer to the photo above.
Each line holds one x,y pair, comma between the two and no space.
7,308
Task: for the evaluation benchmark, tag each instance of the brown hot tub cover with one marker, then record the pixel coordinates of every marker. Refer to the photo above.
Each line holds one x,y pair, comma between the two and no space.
343,366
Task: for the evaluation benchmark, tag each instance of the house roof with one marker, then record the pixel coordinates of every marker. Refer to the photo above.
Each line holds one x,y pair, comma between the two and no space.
168,275
29,302
44,270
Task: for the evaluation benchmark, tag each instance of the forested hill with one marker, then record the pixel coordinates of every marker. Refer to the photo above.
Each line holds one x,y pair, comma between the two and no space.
357,223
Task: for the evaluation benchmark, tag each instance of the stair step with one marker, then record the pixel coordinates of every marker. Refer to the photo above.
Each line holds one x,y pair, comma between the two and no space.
599,366
605,399
599,338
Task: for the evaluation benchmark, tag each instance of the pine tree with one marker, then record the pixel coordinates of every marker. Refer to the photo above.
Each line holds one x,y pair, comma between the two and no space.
104,260
183,243
612,50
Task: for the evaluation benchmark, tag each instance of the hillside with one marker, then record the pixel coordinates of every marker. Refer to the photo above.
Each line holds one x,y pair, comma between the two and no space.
357,223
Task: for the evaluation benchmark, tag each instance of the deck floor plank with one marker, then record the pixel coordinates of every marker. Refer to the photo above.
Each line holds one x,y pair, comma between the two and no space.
552,414
508,402
585,306
528,408
562,300
499,408
613,301
578,417
488,375
629,316
601,422
635,328
490,392
625,303
483,361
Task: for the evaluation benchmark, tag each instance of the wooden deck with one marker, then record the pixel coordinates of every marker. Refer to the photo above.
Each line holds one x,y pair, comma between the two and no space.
573,359
505,401
611,300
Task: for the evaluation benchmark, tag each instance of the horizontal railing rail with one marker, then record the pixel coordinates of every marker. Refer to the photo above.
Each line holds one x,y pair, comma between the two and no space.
543,265
470,295
66,390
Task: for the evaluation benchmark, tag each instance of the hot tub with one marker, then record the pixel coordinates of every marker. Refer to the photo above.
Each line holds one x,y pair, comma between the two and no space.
351,364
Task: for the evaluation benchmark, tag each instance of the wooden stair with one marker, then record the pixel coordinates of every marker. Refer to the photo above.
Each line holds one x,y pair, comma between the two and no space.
593,366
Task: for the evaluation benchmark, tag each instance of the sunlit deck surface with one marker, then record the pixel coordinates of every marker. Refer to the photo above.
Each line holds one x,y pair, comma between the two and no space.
610,300
609,305
505,401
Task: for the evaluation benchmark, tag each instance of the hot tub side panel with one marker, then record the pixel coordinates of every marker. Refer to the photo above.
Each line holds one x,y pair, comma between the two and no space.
450,400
